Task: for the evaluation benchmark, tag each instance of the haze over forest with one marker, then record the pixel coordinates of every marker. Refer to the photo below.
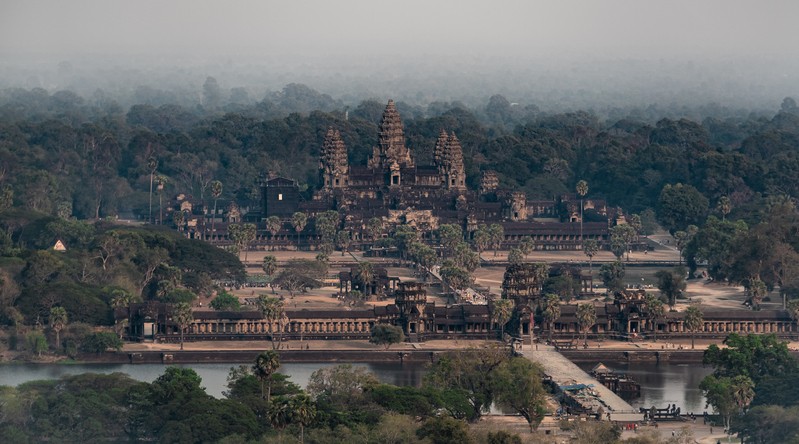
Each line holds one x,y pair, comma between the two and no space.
558,56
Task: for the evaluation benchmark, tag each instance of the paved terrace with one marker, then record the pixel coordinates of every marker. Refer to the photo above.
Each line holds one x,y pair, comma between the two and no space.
565,372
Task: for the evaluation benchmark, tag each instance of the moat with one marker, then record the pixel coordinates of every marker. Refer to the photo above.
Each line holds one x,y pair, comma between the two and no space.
661,384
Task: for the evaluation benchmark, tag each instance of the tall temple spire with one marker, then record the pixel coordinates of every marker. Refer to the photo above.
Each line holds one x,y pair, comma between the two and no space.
450,164
391,147
333,161
438,149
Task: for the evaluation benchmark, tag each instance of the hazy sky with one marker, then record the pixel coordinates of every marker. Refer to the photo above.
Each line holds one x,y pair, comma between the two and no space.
409,27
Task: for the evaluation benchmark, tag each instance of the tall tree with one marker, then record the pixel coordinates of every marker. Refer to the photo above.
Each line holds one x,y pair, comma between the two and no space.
57,321
590,249
501,312
671,284
518,385
693,321
586,318
216,191
298,221
582,190
272,309
160,183
270,268
365,275
655,312
481,238
152,166
182,317
266,364
273,225
551,311
527,245
302,411
497,234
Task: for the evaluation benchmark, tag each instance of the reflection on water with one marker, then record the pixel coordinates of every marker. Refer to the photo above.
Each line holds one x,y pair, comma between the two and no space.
214,376
661,384
665,384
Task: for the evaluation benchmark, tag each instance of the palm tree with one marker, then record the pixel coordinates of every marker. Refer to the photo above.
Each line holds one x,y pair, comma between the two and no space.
515,256
152,165
248,232
501,312
497,234
586,318
365,275
270,268
182,316
160,182
590,249
656,310
693,321
302,411
298,221
58,320
743,391
582,190
527,245
273,225
216,191
266,364
481,238
272,309
279,414
551,311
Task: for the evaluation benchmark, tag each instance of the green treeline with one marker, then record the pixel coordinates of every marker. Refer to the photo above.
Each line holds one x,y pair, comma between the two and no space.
64,154
106,267
340,404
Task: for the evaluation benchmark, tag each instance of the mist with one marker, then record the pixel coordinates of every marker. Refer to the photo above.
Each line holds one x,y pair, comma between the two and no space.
558,55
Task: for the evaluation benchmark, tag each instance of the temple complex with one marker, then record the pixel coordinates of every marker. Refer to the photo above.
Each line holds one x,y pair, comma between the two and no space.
393,187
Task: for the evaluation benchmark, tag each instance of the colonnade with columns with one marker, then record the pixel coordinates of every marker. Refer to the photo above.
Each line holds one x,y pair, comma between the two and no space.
258,327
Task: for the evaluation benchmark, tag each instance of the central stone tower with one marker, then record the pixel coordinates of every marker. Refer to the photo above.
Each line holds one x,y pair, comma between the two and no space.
391,155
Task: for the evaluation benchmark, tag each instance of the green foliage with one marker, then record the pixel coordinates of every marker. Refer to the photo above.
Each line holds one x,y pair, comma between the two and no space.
99,342
769,424
386,335
444,430
469,373
36,342
681,205
225,301
671,284
754,356
517,385
612,275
